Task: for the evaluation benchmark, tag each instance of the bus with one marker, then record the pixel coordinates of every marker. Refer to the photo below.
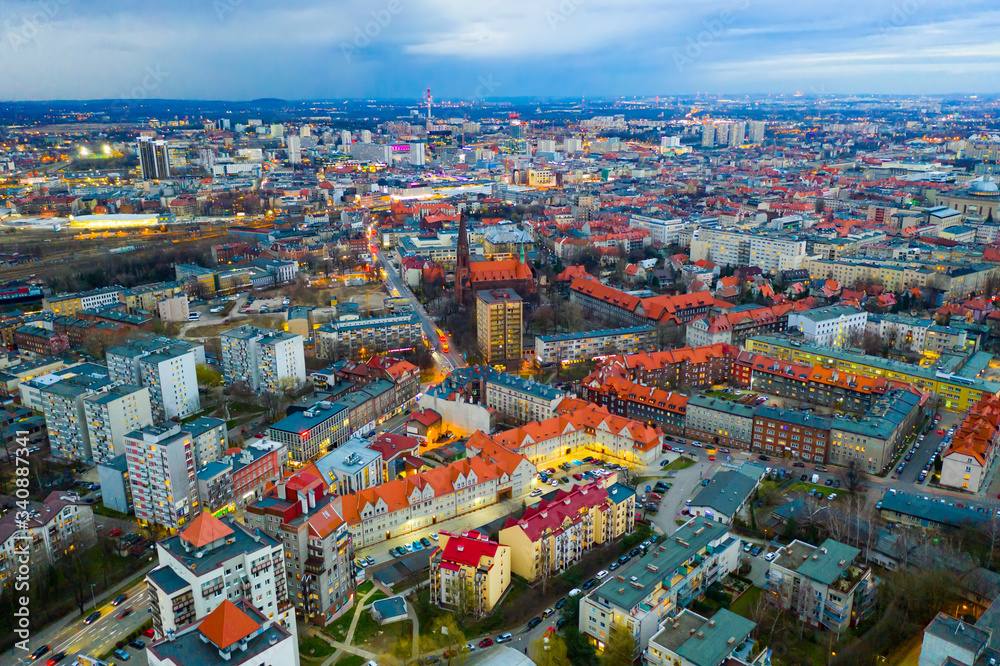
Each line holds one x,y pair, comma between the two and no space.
444,341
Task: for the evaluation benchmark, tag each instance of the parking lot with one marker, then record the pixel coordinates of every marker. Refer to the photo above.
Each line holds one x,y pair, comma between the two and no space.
265,305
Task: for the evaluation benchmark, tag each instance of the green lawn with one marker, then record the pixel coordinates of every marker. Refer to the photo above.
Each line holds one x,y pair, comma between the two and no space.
351,660
366,628
382,643
826,490
745,604
365,588
679,464
338,628
315,647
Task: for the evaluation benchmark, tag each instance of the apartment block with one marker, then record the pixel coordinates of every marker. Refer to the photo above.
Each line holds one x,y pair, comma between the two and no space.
351,467
232,629
351,338
830,326
240,477
652,406
318,545
62,404
161,469
469,573
719,422
876,437
688,639
499,325
825,586
166,367
589,429
791,433
401,506
659,583
554,534
211,562
265,360
52,529
972,452
112,414
772,255
210,437
574,347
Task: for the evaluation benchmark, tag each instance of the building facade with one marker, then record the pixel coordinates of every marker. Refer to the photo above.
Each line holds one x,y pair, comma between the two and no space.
469,573
499,325
161,469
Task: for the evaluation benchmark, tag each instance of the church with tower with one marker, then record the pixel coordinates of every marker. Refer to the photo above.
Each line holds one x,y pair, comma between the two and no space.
473,276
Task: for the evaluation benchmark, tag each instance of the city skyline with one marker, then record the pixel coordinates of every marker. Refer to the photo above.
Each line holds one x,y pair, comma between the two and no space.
241,49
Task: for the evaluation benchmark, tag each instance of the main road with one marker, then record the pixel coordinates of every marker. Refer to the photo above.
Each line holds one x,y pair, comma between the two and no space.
447,360
95,638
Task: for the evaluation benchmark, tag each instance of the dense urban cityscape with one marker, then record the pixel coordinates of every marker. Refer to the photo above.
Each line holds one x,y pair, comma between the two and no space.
670,380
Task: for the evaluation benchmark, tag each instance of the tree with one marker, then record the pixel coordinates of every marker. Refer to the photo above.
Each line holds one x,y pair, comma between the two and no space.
855,477
207,377
549,651
619,650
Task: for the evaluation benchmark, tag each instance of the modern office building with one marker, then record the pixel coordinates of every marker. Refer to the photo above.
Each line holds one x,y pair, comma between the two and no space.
313,432
154,158
112,414
499,325
265,361
161,469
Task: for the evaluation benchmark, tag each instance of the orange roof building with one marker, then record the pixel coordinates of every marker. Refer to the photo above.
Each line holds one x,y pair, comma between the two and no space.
227,625
401,506
970,457
205,530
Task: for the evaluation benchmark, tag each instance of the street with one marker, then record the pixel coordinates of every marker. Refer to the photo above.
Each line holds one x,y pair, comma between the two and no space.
447,361
96,638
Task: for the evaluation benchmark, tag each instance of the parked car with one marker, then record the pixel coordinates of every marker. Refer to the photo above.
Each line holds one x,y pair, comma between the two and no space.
148,633
770,556
536,492
763,457
425,542
613,566
560,603
602,573
756,550
370,560
532,623
417,546
503,638
137,644
122,654
560,623
589,584
486,642
798,464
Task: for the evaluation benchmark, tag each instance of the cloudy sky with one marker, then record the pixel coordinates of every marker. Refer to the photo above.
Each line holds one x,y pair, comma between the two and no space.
465,49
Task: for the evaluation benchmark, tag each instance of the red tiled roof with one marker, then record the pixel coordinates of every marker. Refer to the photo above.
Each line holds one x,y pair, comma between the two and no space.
227,624
205,529
468,550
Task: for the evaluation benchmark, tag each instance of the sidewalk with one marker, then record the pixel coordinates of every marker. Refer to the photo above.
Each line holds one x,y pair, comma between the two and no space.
346,646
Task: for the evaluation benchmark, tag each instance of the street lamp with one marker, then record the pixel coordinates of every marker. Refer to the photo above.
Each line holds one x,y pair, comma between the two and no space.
92,597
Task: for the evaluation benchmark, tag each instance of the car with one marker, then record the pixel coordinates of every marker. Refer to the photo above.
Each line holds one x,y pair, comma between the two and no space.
940,431
125,612
763,457
575,592
829,482
360,562
832,496
687,501
803,477
148,633
417,546
532,623
537,492
564,479
553,482
836,483
370,560
122,654
756,550
409,547
747,547
137,644
425,542
602,573
435,536
770,556
634,552
55,659
820,468
39,652
560,622
503,638
678,449
907,457
798,464
899,470
624,558
578,476
92,617
467,648
560,603
486,642
119,599
589,584
613,566
551,471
